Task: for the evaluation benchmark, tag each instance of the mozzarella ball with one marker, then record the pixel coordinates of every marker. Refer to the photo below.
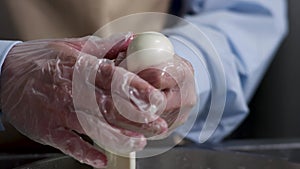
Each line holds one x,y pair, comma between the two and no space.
148,49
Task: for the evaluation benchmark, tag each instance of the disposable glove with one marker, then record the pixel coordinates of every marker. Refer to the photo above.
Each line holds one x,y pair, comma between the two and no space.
176,79
37,96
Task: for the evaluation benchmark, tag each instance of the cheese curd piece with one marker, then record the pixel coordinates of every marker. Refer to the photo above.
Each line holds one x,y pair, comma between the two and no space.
148,49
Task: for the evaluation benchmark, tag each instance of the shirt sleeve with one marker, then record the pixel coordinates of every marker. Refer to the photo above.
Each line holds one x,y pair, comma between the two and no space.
5,46
246,33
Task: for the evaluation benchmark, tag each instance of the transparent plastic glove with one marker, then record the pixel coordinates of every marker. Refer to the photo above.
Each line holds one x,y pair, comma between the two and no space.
176,80
37,96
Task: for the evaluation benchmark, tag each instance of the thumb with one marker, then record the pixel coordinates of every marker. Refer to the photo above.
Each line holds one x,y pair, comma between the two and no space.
118,43
108,47
71,144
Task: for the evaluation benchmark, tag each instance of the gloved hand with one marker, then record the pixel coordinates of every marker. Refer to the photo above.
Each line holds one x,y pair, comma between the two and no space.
176,79
37,96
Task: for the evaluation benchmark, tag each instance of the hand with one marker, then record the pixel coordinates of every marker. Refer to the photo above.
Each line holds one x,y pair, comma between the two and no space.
37,96
176,80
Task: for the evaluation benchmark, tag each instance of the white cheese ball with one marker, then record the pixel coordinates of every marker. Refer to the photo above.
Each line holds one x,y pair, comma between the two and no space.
148,49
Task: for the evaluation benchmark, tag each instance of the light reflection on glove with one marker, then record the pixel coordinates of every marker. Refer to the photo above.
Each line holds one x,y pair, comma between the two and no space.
37,98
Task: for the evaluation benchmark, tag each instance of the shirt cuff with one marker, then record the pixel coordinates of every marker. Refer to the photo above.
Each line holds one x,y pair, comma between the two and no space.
5,47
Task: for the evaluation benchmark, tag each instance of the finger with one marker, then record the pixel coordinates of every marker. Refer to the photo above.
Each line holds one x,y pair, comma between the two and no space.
118,43
158,78
120,83
179,104
173,106
104,75
110,81
157,127
134,103
70,143
127,127
109,137
114,118
167,75
108,47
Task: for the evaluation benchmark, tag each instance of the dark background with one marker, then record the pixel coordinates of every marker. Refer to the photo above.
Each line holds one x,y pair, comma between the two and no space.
275,108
